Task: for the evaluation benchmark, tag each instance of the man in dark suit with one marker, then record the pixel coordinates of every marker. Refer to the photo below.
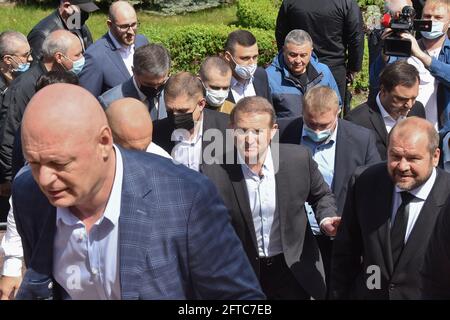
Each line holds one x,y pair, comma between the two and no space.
389,216
265,187
100,222
151,66
435,275
109,59
71,15
241,52
338,147
191,134
399,88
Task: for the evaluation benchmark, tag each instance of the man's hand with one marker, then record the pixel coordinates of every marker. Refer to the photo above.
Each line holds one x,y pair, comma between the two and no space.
416,51
386,33
330,225
5,189
351,75
9,287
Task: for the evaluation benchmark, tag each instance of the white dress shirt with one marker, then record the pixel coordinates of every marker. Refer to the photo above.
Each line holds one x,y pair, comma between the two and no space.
421,194
154,148
85,264
241,90
12,247
262,198
126,52
188,150
427,88
389,122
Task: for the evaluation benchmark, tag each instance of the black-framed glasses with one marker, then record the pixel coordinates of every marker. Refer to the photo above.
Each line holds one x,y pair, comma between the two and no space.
125,27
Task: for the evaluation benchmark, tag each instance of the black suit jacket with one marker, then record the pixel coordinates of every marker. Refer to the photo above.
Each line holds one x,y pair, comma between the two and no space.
298,179
261,85
163,129
355,147
368,115
435,274
364,232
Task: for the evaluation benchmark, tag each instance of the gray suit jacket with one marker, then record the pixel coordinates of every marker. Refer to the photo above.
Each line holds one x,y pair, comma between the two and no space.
129,90
298,180
104,67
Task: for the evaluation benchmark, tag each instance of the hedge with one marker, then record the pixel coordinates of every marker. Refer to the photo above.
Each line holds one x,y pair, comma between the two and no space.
188,46
258,13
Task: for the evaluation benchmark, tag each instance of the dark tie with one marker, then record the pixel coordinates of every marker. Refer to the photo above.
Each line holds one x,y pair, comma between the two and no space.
398,229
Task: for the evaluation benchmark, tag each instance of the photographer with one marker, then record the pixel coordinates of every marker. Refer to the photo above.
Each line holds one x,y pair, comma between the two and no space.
431,56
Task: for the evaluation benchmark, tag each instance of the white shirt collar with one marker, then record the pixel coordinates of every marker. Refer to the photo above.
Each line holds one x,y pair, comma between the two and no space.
424,190
383,111
112,209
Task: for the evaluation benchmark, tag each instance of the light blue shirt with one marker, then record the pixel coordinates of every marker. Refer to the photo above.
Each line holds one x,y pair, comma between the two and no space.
262,198
324,154
85,264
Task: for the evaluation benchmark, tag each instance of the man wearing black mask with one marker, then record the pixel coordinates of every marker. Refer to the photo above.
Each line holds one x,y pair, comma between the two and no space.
189,129
70,15
151,67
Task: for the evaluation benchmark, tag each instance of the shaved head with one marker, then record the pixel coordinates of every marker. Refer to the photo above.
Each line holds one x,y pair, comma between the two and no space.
130,123
68,144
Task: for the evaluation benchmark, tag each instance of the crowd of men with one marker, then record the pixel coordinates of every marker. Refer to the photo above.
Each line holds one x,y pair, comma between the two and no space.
120,179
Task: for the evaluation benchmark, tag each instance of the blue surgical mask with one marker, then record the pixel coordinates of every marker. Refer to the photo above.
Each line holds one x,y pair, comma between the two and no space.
78,65
436,31
21,67
317,136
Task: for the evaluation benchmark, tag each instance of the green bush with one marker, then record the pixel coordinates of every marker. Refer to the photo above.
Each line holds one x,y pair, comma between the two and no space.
258,13
188,46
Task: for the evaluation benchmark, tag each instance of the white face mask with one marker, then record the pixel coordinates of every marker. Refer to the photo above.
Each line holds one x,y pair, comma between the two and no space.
216,98
244,72
436,31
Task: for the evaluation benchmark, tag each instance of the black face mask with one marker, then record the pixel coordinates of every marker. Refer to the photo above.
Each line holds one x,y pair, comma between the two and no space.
182,121
151,92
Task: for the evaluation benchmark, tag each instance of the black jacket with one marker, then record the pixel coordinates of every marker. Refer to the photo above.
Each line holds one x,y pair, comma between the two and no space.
51,23
16,99
335,26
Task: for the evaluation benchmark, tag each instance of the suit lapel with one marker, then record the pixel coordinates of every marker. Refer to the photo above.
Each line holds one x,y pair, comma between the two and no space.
383,208
340,157
282,199
241,194
377,122
115,56
133,208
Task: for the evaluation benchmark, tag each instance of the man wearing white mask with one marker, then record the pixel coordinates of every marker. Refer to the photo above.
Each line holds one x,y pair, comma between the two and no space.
241,52
431,56
216,74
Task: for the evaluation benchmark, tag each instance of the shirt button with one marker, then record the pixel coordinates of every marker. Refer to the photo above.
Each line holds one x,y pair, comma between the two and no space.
391,286
94,271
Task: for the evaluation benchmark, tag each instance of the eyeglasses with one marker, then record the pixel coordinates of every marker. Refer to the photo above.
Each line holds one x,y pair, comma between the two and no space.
125,27
26,55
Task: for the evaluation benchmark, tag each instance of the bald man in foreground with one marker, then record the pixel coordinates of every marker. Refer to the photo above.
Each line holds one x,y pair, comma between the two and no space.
132,126
100,222
389,217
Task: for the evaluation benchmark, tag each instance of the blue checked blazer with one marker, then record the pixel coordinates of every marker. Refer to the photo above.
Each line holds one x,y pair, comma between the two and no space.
176,240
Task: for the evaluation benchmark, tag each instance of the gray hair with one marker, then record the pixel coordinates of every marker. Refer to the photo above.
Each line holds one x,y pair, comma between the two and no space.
153,59
298,37
8,42
57,41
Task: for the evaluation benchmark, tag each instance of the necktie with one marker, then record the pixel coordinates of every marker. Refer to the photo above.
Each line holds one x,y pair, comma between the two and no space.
398,229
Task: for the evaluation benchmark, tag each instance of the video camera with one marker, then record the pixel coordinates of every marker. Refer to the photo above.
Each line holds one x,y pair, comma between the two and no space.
395,45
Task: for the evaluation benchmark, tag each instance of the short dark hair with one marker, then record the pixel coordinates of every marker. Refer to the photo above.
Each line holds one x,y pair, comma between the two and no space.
183,83
153,59
253,105
219,64
399,73
57,76
242,37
